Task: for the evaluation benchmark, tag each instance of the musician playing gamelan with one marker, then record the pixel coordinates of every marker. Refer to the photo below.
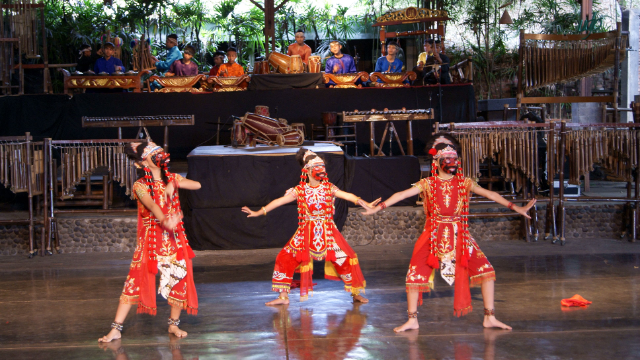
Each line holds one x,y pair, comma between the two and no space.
162,245
300,48
231,68
339,63
446,243
185,66
317,236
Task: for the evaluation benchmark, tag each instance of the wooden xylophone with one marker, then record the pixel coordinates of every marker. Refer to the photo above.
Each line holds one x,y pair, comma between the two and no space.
372,116
141,122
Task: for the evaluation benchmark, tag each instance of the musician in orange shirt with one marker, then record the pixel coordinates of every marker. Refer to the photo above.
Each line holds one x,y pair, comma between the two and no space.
231,68
300,48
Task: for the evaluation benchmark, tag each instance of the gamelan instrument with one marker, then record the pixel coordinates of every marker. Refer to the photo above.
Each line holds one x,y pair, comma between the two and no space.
176,83
262,110
129,80
271,131
23,170
141,122
286,64
550,59
315,64
297,66
372,116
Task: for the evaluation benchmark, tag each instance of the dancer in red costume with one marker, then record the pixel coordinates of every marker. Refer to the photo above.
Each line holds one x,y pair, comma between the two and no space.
161,246
446,243
317,237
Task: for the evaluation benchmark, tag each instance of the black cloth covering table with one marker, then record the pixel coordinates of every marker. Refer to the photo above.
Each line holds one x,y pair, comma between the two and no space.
371,178
233,178
285,81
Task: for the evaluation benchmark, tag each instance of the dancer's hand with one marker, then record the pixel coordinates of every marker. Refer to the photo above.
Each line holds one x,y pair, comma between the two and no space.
522,210
171,222
372,210
170,190
370,205
246,210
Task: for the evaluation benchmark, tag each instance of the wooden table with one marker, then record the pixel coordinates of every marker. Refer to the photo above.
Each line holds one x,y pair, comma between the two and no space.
388,116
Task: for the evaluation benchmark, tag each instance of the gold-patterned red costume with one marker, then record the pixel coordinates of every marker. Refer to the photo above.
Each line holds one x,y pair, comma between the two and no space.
160,250
317,238
442,244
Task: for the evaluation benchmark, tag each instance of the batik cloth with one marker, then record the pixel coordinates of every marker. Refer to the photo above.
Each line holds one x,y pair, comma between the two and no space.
173,256
317,238
444,231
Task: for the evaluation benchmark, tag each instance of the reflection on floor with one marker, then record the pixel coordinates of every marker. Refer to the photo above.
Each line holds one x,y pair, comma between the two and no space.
57,307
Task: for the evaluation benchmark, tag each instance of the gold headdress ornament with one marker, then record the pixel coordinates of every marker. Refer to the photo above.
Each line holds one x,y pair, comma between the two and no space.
446,151
313,162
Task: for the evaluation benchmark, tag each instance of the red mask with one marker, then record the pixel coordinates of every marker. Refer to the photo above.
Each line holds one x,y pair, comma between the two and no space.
449,164
319,172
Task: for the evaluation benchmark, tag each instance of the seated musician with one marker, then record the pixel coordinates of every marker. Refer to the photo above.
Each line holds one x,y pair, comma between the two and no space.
184,66
389,63
339,63
108,63
173,54
87,59
300,48
218,59
231,68
425,71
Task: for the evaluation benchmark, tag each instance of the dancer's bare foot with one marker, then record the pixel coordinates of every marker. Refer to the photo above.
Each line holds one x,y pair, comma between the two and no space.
411,324
114,334
490,321
176,331
360,299
278,301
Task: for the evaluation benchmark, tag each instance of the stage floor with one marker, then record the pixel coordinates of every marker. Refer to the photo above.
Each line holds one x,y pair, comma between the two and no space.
57,307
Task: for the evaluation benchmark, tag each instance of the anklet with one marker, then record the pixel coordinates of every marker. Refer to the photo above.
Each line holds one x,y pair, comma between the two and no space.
174,322
489,312
412,315
116,326
282,298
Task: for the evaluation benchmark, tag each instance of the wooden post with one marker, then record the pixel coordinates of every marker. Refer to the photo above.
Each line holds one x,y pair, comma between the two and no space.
616,72
561,210
409,138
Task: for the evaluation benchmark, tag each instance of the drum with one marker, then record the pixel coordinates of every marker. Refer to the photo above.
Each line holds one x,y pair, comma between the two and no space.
290,138
315,64
300,127
264,127
280,62
257,68
264,67
238,134
262,110
330,119
297,66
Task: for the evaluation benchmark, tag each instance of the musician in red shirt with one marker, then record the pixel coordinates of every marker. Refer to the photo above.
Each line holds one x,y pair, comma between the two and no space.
300,48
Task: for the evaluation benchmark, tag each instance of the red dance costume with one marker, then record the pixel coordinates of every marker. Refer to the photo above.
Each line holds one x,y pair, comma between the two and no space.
317,238
446,240
169,253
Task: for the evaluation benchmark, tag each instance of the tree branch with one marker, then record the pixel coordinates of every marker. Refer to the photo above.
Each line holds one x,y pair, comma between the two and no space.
279,6
257,5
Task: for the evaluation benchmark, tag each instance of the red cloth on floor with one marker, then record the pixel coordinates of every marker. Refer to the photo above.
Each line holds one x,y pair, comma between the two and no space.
575,300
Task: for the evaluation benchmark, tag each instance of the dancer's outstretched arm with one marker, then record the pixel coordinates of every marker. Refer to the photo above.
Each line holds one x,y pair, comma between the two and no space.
184,183
357,200
395,198
492,195
289,197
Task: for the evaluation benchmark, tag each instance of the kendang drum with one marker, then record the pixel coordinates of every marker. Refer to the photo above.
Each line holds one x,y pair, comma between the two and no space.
297,66
262,110
257,68
300,127
264,67
264,127
315,64
280,62
290,138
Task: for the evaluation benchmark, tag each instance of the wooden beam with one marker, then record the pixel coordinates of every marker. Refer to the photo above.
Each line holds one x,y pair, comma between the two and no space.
280,6
257,5
567,99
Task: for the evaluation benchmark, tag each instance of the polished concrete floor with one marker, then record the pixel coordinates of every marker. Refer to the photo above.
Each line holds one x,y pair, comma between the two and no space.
57,307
